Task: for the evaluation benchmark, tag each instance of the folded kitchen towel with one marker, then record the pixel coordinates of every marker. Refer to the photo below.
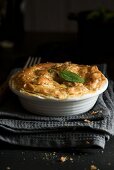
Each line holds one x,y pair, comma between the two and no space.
90,129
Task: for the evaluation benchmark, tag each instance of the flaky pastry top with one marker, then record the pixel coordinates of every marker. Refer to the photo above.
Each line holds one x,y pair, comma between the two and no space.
44,80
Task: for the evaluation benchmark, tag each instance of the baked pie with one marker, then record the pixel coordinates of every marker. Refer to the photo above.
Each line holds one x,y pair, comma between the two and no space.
59,80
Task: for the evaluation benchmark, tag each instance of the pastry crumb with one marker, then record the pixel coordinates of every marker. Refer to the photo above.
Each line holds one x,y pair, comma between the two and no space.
95,112
87,142
63,158
87,121
8,168
109,163
93,167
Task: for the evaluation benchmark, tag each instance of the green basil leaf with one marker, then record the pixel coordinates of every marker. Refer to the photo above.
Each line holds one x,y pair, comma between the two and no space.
70,76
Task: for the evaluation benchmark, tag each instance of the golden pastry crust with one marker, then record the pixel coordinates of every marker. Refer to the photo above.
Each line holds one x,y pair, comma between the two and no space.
43,80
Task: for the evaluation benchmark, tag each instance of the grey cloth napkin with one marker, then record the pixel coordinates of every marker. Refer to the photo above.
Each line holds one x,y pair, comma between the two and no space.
90,129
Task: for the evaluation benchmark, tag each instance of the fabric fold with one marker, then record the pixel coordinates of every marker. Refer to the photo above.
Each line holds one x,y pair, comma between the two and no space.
90,129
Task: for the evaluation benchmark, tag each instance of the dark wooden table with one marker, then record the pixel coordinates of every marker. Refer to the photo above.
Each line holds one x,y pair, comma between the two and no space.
53,47
21,158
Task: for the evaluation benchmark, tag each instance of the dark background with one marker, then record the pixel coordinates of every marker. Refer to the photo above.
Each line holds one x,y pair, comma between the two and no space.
56,31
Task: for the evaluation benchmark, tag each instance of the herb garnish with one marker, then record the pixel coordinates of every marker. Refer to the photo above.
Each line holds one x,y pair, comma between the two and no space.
70,76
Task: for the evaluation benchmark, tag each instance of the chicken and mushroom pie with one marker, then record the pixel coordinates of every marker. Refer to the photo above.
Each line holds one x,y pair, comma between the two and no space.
59,80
